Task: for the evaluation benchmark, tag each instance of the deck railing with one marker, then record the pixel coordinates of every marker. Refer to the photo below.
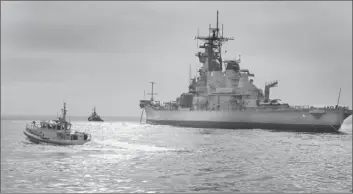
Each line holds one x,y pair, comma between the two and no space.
31,125
278,108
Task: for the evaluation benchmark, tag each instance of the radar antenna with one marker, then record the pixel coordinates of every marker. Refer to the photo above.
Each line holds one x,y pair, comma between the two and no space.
213,46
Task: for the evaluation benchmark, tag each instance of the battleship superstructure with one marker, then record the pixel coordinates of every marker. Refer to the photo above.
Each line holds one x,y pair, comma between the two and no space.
224,96
94,116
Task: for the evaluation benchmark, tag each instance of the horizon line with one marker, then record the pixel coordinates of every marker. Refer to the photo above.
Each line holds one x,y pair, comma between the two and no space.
31,115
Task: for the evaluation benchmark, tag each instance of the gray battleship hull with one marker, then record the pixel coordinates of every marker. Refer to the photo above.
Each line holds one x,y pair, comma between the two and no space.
281,120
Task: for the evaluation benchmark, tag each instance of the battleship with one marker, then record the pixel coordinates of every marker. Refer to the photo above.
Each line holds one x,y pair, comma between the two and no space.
224,96
94,116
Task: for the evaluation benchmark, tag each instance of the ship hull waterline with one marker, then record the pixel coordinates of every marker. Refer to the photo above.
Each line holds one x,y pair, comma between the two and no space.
95,121
291,122
36,139
242,126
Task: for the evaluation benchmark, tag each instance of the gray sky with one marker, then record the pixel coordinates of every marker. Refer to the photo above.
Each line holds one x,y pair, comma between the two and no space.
105,53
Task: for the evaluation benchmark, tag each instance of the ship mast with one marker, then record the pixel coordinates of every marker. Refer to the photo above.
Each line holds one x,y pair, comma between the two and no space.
339,95
190,74
213,45
152,91
64,112
64,119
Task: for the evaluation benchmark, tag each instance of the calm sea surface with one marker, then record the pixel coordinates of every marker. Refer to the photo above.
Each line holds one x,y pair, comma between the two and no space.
132,157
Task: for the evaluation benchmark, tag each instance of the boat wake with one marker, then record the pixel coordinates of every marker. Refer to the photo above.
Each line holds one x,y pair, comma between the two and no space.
346,128
116,138
112,145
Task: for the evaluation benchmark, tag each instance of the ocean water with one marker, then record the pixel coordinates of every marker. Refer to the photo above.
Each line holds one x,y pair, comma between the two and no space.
126,156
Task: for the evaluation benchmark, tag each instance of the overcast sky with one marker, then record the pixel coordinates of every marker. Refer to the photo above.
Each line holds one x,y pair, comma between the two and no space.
106,53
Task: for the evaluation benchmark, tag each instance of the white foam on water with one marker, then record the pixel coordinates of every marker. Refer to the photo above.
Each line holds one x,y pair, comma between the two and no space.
108,156
346,128
129,146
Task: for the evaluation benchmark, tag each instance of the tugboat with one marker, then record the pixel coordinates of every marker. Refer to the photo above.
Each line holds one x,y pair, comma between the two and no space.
56,132
94,116
223,96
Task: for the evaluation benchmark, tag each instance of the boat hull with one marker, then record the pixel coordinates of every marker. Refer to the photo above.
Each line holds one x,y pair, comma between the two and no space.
241,125
285,120
38,139
95,120
90,119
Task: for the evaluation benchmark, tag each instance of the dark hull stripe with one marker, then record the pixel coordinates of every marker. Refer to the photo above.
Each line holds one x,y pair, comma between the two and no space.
239,125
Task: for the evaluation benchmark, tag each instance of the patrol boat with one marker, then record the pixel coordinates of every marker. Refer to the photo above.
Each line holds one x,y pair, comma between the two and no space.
94,116
224,96
55,132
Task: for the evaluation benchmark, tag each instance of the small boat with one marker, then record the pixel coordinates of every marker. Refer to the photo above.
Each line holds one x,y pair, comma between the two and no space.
55,132
94,116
